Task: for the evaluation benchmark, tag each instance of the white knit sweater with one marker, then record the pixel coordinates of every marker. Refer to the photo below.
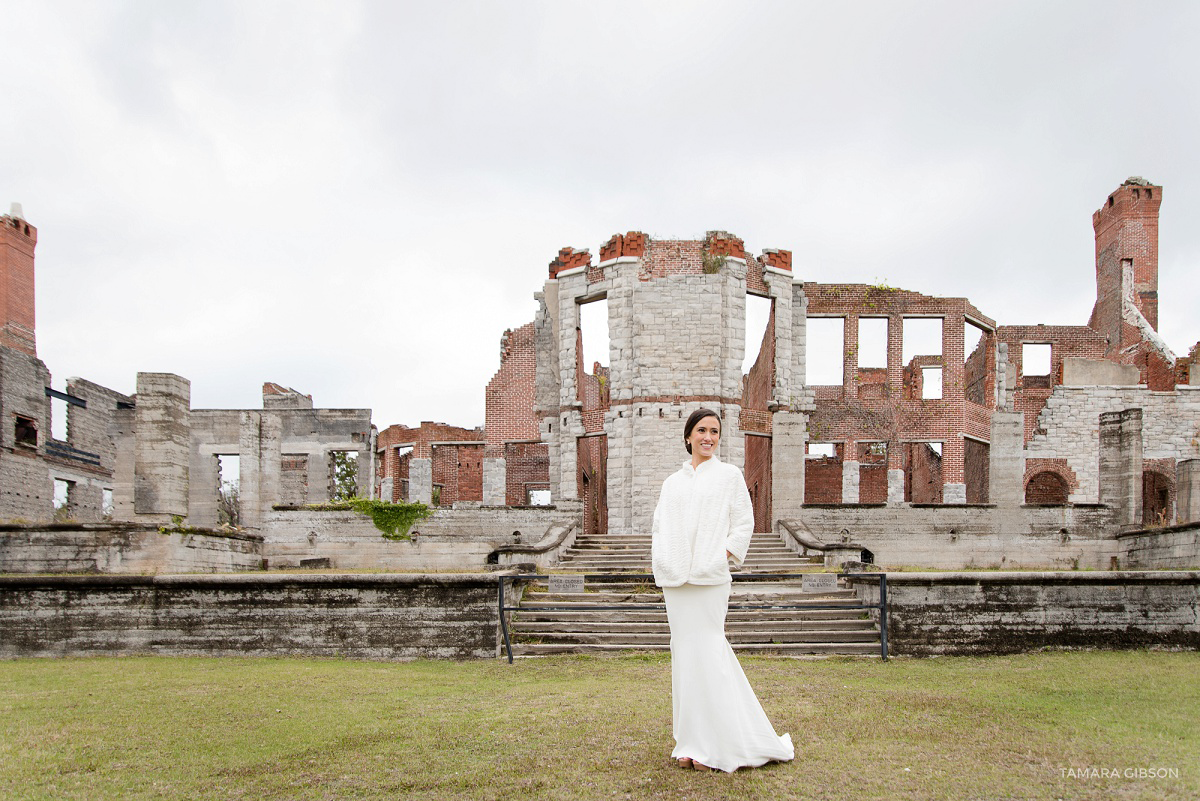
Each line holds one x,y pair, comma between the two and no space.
701,514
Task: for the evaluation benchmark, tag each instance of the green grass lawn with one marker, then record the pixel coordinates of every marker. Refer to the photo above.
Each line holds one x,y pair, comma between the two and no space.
595,728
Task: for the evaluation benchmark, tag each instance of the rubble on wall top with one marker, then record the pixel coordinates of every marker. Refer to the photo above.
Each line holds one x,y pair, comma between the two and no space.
16,212
1136,180
271,388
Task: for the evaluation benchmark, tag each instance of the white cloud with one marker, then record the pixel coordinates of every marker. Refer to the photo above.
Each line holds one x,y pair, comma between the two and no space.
356,199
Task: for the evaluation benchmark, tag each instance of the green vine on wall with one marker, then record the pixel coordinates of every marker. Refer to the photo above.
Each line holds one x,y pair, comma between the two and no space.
393,519
179,527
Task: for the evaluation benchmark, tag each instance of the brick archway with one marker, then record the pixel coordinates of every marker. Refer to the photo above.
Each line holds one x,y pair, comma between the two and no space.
1047,488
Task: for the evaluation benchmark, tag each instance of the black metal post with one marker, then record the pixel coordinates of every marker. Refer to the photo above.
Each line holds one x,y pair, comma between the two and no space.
883,616
503,622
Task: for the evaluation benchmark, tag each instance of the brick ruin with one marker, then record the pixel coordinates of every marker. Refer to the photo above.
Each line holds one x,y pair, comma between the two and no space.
954,420
945,437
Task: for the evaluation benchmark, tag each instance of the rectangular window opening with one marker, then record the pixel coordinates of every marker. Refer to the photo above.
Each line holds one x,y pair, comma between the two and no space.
872,342
343,475
823,472
872,472
1036,358
825,352
922,472
60,412
25,431
64,506
62,489
922,337
975,362
758,315
594,334
931,383
229,506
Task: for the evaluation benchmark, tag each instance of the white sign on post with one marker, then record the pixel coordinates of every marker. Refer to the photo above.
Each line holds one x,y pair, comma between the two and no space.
818,582
562,583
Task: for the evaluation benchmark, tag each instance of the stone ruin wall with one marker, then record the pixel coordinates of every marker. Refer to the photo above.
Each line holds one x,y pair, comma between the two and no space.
677,342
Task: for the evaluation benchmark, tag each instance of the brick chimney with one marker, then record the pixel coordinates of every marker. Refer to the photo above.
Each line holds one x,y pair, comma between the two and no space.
1126,262
17,241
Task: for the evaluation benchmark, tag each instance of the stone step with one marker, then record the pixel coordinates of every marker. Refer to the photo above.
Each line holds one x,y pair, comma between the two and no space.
740,627
634,615
784,649
744,595
768,637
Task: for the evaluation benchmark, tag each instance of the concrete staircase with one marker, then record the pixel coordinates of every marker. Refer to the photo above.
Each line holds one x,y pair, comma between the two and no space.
630,553
631,615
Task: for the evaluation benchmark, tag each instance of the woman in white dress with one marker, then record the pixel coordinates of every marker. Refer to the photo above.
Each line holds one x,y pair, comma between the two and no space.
703,519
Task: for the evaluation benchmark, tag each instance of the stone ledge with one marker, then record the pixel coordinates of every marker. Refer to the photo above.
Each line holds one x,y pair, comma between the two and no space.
1048,577
225,580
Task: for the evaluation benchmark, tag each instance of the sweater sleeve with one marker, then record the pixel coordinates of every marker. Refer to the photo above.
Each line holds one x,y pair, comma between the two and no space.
741,520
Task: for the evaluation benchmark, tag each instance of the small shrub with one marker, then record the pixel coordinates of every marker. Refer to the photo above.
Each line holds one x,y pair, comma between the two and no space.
393,519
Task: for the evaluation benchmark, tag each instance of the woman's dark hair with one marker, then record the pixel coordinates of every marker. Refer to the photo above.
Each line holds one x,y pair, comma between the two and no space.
696,417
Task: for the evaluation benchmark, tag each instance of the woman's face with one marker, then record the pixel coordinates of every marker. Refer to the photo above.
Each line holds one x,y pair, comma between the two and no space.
705,437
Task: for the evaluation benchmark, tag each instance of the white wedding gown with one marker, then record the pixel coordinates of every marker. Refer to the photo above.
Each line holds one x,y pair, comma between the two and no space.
718,720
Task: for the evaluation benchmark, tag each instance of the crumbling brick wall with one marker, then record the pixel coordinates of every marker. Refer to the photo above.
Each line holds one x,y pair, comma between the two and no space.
1066,341
528,470
509,397
886,404
458,471
394,457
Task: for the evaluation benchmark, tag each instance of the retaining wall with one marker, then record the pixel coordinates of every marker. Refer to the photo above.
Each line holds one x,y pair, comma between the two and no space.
1174,548
123,548
375,616
976,536
452,539
999,613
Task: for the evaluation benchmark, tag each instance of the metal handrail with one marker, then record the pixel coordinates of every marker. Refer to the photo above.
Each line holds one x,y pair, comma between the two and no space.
654,606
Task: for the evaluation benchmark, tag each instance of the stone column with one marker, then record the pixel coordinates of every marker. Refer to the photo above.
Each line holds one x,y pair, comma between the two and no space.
495,481
895,487
420,481
850,479
1007,460
1121,465
1187,489
162,427
259,457
789,432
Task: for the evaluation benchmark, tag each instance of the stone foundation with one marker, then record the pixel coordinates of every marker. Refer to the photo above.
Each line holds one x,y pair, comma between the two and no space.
352,616
1002,613
124,548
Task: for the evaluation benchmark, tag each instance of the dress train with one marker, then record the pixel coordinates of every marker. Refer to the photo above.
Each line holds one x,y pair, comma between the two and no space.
718,720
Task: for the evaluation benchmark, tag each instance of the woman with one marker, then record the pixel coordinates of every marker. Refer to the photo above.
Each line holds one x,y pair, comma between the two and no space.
703,519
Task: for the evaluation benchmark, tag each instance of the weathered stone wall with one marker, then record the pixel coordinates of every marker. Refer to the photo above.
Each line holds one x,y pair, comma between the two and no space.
123,548
262,441
958,537
1068,428
1000,613
1173,548
26,490
676,321
161,445
354,616
452,539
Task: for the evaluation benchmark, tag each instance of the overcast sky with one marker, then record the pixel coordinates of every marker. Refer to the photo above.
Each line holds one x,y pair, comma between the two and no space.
356,199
